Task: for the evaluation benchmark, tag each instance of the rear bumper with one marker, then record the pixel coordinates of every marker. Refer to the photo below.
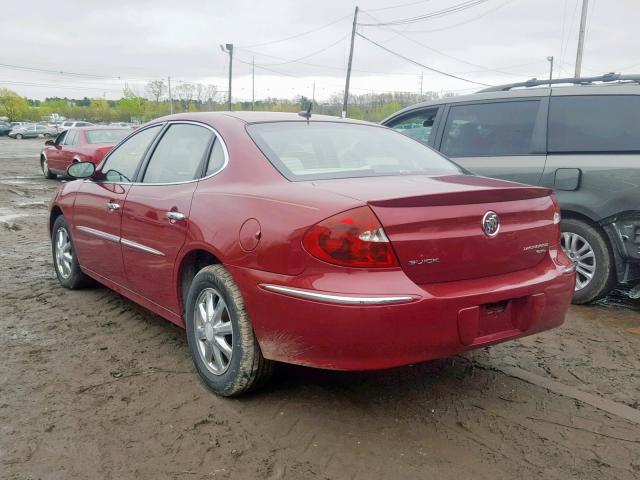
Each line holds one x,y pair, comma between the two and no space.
431,321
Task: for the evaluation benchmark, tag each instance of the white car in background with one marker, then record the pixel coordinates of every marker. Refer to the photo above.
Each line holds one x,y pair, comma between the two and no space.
67,124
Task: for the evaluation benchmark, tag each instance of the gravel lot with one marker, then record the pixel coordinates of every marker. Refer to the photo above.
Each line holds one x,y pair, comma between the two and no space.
93,386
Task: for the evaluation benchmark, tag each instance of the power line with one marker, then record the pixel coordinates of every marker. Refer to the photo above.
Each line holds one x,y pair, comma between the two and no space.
465,22
420,64
67,87
397,6
438,13
439,52
297,60
298,34
57,72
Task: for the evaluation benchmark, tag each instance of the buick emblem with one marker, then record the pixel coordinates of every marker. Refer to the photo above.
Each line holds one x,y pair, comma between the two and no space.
490,224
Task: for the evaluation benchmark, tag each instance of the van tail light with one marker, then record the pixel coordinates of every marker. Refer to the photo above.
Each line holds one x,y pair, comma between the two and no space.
354,238
556,221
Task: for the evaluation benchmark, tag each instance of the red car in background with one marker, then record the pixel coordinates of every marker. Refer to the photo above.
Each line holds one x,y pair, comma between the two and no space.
85,144
325,242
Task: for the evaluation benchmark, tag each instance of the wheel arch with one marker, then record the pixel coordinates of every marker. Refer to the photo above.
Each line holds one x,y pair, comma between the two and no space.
56,211
618,261
191,262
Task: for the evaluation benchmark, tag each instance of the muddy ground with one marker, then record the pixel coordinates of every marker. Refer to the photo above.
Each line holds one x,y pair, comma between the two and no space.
94,387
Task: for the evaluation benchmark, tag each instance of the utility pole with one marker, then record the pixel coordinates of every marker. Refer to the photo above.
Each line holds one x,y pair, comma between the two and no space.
583,24
228,48
253,82
550,59
313,93
421,80
170,98
346,87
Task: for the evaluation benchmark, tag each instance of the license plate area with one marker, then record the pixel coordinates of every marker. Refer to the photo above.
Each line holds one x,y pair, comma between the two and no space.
491,322
495,317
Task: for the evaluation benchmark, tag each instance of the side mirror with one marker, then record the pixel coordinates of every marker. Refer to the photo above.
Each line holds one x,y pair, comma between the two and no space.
50,143
81,170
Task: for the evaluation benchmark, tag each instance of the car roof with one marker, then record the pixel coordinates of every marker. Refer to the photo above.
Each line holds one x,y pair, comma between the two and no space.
257,117
596,89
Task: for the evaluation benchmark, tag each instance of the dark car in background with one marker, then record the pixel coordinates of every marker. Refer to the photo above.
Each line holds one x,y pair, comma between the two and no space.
5,128
581,139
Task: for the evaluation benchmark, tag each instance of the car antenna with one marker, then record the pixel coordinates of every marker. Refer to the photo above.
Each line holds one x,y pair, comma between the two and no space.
306,113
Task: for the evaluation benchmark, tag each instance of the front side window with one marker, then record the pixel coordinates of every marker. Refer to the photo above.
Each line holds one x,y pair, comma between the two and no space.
602,123
417,125
60,138
122,163
326,150
72,137
179,154
490,129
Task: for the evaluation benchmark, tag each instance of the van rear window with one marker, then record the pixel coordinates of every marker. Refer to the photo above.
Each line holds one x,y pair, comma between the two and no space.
594,123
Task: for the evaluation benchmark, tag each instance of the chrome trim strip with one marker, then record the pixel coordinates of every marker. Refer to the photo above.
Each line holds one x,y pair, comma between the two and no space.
337,299
171,122
123,241
142,248
99,234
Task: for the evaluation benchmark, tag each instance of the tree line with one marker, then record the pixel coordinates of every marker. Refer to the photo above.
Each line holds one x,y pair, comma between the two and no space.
195,97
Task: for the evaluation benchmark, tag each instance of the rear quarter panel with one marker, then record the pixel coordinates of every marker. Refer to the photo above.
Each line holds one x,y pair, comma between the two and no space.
609,183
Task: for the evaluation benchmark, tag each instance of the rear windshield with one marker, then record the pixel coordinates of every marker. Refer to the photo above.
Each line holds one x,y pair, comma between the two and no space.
326,150
106,136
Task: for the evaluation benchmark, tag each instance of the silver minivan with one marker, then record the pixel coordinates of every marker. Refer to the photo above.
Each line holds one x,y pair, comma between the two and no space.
580,137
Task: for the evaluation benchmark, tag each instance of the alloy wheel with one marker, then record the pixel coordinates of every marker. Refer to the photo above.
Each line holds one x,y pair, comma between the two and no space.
213,331
64,253
581,252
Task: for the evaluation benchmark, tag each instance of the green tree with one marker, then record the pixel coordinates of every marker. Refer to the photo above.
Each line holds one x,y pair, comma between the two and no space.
13,105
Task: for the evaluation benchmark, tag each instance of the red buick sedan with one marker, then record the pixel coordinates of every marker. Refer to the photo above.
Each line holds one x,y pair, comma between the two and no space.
329,243
86,144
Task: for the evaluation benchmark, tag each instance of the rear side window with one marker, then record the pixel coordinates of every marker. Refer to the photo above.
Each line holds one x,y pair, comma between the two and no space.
123,161
327,150
179,154
490,129
217,158
602,123
418,126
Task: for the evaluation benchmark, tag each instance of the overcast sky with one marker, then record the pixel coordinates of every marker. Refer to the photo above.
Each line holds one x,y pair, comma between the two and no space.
113,42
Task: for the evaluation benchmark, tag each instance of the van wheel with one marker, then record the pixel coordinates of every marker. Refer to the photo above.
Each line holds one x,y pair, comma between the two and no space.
223,346
588,248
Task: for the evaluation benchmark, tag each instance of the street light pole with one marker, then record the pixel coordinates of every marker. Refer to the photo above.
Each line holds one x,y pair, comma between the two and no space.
228,48
550,59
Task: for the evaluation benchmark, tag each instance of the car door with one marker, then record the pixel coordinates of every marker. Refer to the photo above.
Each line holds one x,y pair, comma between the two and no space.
68,148
156,212
503,138
97,213
54,153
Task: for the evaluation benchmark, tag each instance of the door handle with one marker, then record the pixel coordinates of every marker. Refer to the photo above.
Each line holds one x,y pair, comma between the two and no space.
175,216
113,206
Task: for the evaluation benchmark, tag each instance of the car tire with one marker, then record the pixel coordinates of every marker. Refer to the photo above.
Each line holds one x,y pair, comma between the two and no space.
18,136
588,247
67,267
237,366
44,164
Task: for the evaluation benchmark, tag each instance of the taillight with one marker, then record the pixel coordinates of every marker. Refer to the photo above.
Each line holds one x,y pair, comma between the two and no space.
556,221
353,238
